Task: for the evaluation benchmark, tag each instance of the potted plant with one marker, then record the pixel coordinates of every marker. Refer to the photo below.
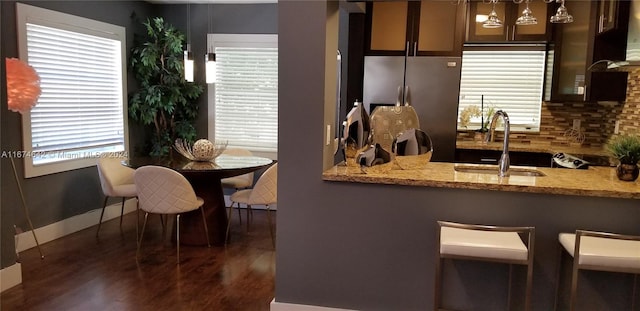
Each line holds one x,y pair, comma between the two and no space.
626,148
164,102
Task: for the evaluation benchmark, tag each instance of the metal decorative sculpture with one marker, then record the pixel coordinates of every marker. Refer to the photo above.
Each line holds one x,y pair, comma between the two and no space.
412,149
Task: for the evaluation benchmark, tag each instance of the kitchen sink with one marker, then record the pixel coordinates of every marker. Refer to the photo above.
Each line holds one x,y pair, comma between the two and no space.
493,169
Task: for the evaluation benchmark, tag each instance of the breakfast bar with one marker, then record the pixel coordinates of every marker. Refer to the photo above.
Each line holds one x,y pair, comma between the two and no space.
556,200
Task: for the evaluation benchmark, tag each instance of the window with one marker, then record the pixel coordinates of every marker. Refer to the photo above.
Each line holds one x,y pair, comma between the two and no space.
244,98
511,80
82,109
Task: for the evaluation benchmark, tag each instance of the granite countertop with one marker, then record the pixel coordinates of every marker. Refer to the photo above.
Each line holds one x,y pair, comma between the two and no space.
595,181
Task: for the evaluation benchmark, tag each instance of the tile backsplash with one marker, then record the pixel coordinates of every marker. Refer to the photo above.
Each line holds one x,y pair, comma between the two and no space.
597,120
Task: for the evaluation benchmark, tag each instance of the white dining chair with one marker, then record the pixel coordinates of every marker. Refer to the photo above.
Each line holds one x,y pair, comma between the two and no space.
240,182
164,191
116,180
265,192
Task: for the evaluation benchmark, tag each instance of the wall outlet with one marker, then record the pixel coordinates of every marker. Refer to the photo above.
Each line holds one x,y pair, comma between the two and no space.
576,124
616,129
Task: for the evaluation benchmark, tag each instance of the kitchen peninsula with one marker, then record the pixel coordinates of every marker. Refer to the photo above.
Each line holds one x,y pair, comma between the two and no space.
562,200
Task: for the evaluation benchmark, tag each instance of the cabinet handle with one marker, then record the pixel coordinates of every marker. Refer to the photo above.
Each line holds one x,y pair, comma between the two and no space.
488,160
601,24
406,53
415,48
513,33
584,96
507,34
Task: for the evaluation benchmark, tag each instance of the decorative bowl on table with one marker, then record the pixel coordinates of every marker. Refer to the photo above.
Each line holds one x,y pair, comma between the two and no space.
202,150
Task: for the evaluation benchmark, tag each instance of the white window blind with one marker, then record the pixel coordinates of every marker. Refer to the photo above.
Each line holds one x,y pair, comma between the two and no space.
509,80
246,97
81,111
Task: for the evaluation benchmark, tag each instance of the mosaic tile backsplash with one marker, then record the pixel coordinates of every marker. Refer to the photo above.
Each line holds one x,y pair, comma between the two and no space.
597,120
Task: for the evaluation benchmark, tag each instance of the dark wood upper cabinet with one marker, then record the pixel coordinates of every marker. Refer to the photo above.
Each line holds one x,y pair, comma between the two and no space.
582,43
508,12
415,28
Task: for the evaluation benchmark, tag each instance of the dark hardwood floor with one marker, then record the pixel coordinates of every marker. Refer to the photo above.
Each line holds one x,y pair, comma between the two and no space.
80,272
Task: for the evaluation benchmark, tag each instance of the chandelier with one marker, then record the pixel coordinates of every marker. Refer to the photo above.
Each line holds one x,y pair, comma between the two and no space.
527,18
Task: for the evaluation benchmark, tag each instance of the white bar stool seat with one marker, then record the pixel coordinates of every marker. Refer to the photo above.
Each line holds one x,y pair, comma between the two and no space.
485,243
601,251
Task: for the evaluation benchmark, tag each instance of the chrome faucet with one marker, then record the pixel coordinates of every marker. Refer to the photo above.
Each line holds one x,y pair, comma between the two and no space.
503,164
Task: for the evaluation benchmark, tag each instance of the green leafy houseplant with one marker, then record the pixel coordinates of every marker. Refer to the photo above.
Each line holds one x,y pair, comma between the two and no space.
626,148
164,102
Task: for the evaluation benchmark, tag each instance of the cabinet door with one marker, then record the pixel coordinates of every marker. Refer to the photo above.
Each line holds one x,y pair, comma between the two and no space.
388,28
415,28
573,54
440,28
577,49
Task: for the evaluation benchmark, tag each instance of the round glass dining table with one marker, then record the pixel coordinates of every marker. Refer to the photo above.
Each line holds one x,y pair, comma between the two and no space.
205,179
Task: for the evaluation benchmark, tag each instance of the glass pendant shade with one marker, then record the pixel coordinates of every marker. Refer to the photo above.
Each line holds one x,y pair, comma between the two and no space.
188,66
493,21
561,16
210,62
527,17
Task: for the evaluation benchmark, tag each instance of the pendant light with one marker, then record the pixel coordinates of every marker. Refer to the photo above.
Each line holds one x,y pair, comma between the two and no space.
561,16
527,17
210,57
188,56
493,21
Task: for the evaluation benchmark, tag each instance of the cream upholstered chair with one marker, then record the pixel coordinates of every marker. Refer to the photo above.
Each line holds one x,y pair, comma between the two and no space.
265,192
485,243
164,191
600,251
116,180
238,182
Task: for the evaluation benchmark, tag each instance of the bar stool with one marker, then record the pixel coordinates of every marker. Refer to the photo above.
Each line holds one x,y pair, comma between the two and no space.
600,251
485,243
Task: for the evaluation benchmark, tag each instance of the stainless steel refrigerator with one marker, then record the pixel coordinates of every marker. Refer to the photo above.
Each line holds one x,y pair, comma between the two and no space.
433,84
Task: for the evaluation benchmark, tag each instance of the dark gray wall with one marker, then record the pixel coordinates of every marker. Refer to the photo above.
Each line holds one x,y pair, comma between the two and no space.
372,247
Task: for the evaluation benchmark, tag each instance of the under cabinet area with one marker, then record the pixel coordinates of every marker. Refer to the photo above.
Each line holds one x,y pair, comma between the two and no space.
415,28
520,158
508,13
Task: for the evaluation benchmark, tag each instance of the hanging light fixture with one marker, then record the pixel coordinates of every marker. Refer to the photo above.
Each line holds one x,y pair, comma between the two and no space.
493,21
562,16
527,16
210,57
188,56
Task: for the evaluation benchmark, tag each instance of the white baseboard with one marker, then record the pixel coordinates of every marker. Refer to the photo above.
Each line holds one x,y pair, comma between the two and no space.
70,225
283,306
10,276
